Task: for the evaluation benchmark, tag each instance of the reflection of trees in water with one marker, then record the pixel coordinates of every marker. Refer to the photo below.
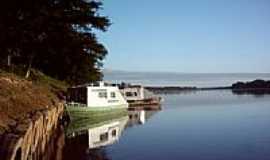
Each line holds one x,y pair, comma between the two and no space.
98,154
257,93
77,149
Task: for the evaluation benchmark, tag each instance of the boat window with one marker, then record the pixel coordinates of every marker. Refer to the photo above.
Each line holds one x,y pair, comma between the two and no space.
129,94
114,133
104,137
135,94
113,95
77,95
102,94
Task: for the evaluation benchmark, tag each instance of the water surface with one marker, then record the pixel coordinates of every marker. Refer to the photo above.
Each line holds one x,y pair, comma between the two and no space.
204,125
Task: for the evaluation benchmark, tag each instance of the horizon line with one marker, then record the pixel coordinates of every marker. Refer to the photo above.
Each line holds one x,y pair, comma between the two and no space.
175,72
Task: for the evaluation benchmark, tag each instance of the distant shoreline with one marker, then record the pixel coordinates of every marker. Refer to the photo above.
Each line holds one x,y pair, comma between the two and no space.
177,89
116,71
256,86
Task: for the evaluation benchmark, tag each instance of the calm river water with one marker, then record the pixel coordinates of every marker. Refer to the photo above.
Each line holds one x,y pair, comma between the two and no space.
203,125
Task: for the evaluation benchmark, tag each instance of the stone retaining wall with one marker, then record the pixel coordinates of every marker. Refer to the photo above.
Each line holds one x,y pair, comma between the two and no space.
31,136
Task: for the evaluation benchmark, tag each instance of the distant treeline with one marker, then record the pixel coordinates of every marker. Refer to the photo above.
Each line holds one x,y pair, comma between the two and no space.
54,36
169,89
256,86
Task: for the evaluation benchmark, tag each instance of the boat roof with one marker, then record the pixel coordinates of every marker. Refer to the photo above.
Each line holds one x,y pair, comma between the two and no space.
106,84
93,84
127,85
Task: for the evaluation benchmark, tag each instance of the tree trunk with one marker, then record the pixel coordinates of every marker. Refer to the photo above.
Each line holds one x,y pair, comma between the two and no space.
28,71
9,60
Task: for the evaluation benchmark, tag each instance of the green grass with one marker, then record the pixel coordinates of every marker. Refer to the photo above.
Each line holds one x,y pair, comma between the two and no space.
54,84
20,97
36,77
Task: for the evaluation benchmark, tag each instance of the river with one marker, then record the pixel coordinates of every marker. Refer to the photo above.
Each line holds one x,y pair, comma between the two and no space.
200,125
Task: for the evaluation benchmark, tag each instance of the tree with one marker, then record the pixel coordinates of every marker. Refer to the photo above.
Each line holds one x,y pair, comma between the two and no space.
54,36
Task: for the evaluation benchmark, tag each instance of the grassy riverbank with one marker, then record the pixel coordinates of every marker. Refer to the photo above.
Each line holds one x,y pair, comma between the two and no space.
21,98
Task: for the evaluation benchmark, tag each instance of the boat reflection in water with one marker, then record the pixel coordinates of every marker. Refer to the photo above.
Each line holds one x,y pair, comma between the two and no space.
91,143
106,134
139,117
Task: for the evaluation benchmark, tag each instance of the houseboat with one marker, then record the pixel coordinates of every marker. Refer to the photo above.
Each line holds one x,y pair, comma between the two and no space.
94,100
139,97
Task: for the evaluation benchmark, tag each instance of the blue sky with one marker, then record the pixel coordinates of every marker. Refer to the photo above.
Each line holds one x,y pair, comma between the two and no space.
191,36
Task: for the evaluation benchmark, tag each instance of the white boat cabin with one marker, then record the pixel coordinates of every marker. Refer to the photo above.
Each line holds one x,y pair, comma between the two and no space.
135,92
96,95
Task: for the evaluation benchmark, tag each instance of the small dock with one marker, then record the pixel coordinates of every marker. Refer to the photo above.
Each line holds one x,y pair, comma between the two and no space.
146,104
145,107
140,98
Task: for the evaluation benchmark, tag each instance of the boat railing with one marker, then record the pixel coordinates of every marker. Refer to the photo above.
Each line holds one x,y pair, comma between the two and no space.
75,104
94,84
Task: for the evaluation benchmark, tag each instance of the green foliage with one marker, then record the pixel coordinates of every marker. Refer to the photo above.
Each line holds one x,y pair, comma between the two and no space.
54,85
54,36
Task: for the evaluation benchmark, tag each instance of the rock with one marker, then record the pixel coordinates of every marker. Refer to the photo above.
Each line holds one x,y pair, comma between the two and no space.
22,128
30,135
